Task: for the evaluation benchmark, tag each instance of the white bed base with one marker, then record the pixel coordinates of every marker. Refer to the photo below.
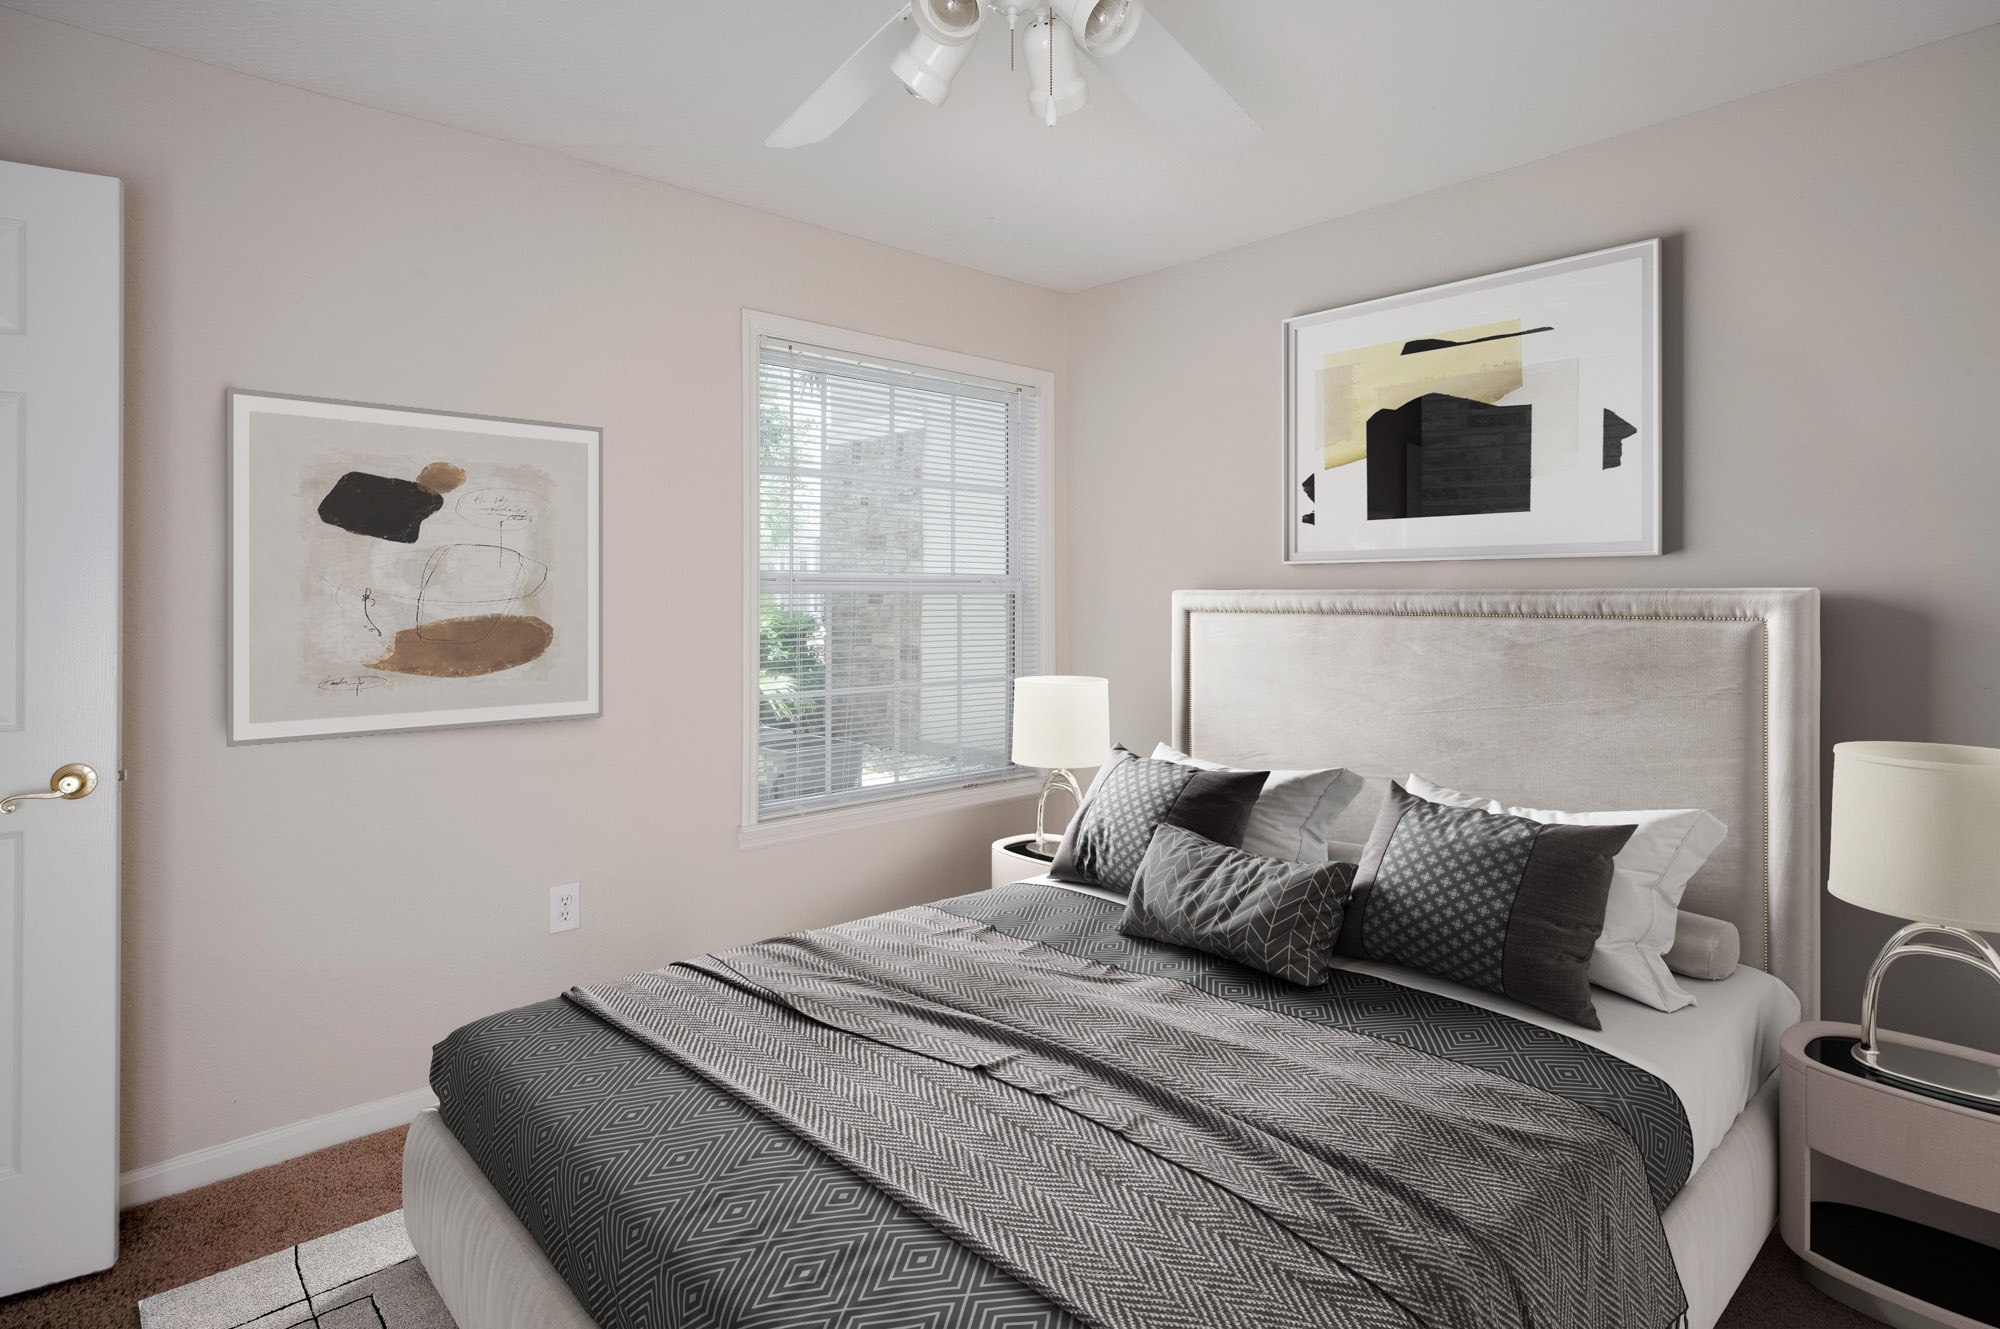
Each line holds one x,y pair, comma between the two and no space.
1669,698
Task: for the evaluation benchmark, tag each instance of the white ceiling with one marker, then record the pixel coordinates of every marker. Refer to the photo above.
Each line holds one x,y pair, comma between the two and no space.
1362,101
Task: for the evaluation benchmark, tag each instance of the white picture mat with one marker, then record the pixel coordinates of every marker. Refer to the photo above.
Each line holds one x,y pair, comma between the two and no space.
1604,309
243,727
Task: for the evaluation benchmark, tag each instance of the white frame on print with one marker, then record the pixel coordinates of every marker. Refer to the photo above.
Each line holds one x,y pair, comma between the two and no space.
240,405
1424,313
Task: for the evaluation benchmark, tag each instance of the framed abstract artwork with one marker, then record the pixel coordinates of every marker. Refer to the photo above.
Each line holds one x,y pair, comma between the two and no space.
401,569
1509,416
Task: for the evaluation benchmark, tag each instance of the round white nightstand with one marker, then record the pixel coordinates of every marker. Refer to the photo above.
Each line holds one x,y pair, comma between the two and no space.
1890,1197
1015,858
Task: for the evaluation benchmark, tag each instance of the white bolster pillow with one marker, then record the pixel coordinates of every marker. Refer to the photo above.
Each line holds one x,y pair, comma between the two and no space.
1704,947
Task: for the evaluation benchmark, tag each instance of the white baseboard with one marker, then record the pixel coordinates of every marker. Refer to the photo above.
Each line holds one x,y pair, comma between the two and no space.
267,1147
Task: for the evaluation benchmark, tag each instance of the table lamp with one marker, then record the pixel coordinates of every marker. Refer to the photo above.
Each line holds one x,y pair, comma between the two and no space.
1916,834
1060,721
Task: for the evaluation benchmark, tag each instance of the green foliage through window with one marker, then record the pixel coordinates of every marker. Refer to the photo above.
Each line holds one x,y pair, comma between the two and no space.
789,661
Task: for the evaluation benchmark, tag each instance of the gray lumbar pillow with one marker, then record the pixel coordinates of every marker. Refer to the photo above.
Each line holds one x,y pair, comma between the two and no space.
1704,947
1295,810
1274,915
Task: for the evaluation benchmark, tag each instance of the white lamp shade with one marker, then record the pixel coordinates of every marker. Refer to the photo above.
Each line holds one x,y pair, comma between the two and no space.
1061,720
1916,831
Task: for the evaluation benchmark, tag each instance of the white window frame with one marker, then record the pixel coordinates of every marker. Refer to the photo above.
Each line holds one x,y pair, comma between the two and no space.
754,830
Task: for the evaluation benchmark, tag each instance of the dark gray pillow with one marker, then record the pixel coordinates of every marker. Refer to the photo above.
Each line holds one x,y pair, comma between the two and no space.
1130,796
1272,914
1488,900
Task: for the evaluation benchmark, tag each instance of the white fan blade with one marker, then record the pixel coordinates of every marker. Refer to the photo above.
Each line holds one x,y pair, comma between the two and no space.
1173,91
846,90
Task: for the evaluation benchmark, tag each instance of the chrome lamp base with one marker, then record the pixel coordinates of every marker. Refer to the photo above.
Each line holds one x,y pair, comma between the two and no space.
1058,779
1975,1082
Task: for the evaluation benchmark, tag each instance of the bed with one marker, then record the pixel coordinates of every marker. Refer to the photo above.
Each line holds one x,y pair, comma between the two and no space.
580,1160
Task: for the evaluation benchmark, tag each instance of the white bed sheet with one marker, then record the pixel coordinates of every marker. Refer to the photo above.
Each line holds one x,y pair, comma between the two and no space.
1715,1054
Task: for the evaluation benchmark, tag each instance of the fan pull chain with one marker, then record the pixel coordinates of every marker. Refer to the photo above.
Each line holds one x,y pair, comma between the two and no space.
1052,68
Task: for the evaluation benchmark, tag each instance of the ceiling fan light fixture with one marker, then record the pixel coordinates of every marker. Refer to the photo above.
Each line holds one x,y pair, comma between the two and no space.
1102,26
927,66
1056,84
948,22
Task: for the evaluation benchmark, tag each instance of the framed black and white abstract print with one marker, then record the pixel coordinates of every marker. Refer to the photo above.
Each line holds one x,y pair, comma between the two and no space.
1509,416
403,569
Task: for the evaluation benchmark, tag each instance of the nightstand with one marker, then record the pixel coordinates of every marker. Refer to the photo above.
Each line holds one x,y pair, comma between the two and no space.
1014,857
1890,1197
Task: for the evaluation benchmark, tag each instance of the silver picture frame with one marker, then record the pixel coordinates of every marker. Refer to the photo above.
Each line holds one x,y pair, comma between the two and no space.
397,568
1600,348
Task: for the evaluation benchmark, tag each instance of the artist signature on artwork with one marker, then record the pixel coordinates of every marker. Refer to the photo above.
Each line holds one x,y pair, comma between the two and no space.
357,685
500,509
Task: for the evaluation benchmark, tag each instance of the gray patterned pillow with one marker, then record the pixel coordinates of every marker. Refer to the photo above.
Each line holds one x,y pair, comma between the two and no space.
1295,810
1130,796
1488,900
1274,915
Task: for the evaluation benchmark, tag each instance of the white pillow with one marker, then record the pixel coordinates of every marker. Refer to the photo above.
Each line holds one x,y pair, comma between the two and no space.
1647,878
1295,810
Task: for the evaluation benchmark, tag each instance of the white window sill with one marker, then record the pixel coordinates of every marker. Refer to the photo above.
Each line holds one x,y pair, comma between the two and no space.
835,820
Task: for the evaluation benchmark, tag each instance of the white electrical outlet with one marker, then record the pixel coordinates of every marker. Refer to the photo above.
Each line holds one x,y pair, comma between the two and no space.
565,907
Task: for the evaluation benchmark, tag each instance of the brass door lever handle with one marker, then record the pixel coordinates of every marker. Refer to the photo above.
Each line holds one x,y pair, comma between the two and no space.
71,781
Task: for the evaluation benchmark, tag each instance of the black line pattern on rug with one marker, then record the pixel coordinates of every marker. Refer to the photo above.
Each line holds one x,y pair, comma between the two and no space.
299,1273
307,1297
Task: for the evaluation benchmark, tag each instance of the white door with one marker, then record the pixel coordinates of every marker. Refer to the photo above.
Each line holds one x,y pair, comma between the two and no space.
60,307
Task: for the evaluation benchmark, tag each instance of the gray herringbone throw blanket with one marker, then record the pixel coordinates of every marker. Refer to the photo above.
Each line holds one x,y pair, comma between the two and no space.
1151,1156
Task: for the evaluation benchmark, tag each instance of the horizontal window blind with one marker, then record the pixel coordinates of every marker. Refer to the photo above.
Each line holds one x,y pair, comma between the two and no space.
897,576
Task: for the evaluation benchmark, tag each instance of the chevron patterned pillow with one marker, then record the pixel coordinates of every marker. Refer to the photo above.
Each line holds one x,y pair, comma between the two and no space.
1274,915
1490,900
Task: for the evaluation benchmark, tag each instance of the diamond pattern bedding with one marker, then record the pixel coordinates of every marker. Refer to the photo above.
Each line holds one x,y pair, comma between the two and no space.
663,1198
1639,1103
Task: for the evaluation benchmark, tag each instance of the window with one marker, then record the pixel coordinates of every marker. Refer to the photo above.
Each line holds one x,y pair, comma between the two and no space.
898,576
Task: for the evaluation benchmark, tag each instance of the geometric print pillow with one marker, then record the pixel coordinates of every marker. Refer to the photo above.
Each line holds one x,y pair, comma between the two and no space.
1270,913
1496,902
1647,880
1130,796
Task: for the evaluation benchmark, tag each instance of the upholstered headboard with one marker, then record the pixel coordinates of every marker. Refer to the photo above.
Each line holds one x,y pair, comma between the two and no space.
1582,700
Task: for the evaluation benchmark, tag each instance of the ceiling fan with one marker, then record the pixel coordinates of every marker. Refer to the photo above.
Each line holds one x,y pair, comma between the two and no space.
926,43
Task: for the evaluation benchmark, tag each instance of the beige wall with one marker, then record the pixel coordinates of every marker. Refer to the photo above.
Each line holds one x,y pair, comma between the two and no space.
1832,326
303,920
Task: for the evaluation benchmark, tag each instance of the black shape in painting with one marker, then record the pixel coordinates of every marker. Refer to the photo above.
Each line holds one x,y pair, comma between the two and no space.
1308,520
379,506
1445,456
1308,485
1423,344
1616,431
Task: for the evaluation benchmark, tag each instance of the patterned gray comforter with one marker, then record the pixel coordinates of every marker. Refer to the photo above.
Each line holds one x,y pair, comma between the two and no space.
928,1118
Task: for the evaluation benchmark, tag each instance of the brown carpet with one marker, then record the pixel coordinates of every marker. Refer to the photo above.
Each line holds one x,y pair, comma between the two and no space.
201,1232
1775,1295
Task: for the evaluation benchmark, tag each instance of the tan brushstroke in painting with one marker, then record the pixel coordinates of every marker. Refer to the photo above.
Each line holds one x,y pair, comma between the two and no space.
467,647
440,477
1355,384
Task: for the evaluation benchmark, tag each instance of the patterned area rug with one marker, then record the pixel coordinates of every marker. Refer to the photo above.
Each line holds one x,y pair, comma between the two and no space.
363,1277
